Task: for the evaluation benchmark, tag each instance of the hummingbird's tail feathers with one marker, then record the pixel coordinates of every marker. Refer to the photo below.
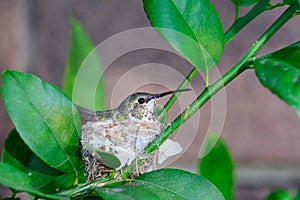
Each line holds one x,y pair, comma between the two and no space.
86,114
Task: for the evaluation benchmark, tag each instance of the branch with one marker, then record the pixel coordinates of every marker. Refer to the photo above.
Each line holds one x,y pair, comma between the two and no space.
242,65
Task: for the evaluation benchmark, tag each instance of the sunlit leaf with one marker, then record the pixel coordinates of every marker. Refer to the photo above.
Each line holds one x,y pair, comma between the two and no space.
164,184
192,27
126,192
59,183
217,166
289,2
17,154
14,178
297,196
279,195
244,2
280,73
83,84
45,118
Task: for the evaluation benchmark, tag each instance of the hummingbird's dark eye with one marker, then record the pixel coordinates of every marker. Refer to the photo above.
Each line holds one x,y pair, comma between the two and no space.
141,100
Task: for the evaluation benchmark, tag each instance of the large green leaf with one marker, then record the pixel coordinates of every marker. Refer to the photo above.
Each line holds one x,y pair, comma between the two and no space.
14,178
280,73
192,27
289,2
178,184
44,178
218,167
297,196
244,2
165,184
84,86
126,192
17,154
59,183
45,118
279,195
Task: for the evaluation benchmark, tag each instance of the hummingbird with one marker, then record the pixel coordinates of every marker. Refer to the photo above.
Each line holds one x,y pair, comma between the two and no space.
113,139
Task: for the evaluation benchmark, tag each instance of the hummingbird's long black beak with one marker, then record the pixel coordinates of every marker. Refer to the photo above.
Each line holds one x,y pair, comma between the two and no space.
170,92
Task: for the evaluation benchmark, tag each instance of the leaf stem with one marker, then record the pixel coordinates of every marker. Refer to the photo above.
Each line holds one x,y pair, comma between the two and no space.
272,6
13,194
237,11
243,21
87,187
206,77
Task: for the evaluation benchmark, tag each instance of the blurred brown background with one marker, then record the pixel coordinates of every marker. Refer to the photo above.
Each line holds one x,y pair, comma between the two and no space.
262,132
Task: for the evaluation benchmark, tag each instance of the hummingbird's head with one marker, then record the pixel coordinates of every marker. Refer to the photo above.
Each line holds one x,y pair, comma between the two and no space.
142,106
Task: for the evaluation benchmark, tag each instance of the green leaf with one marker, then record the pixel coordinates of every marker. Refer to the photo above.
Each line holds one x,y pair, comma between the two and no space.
297,196
59,183
17,154
244,2
163,184
279,195
177,184
14,178
280,73
106,158
192,27
218,167
289,2
126,192
83,84
44,178
45,118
